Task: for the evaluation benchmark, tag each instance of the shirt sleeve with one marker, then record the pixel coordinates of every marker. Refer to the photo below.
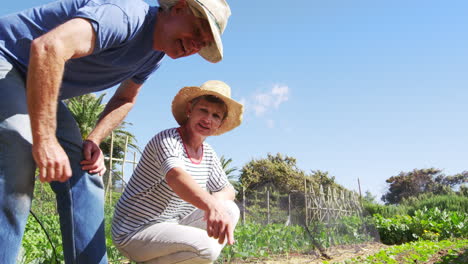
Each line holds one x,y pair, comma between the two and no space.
167,152
109,21
218,179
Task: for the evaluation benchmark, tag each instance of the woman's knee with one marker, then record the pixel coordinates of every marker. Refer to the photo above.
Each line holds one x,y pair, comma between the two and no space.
210,254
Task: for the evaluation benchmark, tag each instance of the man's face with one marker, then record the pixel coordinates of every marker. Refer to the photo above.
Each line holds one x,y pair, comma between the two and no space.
184,34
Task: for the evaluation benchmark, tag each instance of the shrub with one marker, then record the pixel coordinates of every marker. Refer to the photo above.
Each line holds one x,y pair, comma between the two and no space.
36,247
431,224
449,202
384,210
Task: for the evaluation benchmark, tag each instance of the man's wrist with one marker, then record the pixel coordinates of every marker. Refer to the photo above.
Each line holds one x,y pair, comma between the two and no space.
44,139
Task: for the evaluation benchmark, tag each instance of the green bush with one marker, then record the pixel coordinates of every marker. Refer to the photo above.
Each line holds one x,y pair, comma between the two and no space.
113,254
254,240
433,224
36,248
384,210
257,240
449,202
443,252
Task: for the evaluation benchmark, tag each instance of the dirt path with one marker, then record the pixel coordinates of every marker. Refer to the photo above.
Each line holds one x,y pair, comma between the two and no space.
337,254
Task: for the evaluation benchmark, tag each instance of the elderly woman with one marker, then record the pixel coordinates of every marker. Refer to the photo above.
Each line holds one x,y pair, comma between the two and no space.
178,205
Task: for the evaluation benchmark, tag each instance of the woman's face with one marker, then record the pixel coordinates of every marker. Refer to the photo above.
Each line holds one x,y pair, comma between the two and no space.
205,117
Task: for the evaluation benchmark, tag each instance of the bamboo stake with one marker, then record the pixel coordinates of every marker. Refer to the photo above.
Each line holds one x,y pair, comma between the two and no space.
268,206
243,205
109,181
124,157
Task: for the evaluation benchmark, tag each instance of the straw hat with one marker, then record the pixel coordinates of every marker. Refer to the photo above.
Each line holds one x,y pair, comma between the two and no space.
216,88
217,13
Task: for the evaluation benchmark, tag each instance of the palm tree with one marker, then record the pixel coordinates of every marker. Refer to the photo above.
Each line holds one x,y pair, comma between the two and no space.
86,110
233,179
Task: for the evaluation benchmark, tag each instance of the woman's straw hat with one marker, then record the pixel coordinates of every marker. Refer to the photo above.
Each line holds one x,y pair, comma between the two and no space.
216,88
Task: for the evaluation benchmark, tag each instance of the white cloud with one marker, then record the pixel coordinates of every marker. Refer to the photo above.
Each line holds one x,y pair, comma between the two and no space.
262,102
280,92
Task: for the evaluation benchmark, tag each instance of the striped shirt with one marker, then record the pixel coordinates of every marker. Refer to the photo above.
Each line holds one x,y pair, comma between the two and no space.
148,199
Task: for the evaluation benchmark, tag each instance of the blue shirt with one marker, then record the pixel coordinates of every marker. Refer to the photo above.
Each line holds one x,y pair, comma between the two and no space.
123,48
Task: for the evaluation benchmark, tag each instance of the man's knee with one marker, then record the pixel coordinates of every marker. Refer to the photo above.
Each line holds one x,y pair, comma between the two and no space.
17,165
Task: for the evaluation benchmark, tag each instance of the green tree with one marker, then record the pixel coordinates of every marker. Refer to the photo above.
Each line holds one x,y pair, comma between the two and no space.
368,197
323,178
276,171
420,181
86,110
233,178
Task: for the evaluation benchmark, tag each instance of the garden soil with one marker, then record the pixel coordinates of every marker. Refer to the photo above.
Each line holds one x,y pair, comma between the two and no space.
332,255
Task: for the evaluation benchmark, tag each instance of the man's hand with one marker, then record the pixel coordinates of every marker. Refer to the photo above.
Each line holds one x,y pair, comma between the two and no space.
219,224
93,158
52,161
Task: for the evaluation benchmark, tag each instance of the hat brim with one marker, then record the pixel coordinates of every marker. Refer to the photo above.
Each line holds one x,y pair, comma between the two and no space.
214,51
186,94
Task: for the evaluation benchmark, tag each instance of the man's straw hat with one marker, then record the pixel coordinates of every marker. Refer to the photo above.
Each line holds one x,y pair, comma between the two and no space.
216,88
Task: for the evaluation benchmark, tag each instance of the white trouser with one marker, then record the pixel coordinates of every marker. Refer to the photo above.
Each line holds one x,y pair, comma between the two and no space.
185,242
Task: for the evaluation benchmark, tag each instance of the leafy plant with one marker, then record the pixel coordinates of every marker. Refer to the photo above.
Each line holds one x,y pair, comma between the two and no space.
451,252
427,223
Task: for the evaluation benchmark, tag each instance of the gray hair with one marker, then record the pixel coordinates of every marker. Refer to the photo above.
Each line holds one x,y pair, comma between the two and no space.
166,5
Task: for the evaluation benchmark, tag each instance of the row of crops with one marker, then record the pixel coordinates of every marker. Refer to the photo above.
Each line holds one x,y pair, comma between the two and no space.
263,241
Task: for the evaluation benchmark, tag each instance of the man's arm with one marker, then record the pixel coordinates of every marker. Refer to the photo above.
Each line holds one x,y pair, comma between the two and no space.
48,55
219,225
116,110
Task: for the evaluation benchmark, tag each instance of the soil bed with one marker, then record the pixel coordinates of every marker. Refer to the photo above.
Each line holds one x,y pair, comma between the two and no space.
336,254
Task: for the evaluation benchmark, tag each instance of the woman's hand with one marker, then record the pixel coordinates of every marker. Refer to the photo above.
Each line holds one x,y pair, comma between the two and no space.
219,224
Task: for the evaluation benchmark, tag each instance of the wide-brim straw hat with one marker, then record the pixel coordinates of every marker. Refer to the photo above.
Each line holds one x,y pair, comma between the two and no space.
213,87
217,12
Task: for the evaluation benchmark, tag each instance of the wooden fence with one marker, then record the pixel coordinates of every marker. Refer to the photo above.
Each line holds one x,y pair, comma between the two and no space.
315,205
331,205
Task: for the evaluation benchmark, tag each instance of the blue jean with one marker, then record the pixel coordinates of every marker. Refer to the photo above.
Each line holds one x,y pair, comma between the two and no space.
80,200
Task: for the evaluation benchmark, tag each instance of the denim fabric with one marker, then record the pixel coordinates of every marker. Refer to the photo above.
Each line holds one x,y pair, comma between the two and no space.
186,242
80,200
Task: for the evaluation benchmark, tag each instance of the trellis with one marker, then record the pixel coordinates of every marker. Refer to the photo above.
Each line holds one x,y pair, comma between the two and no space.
330,205
111,159
318,205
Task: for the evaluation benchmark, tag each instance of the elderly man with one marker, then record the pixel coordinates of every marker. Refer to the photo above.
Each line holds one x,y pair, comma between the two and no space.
69,48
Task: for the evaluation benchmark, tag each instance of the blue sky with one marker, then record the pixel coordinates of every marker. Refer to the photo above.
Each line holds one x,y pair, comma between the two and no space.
357,88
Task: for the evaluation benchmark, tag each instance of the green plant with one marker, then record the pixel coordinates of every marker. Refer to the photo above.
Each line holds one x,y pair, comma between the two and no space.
449,202
384,210
427,223
36,246
448,251
256,240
